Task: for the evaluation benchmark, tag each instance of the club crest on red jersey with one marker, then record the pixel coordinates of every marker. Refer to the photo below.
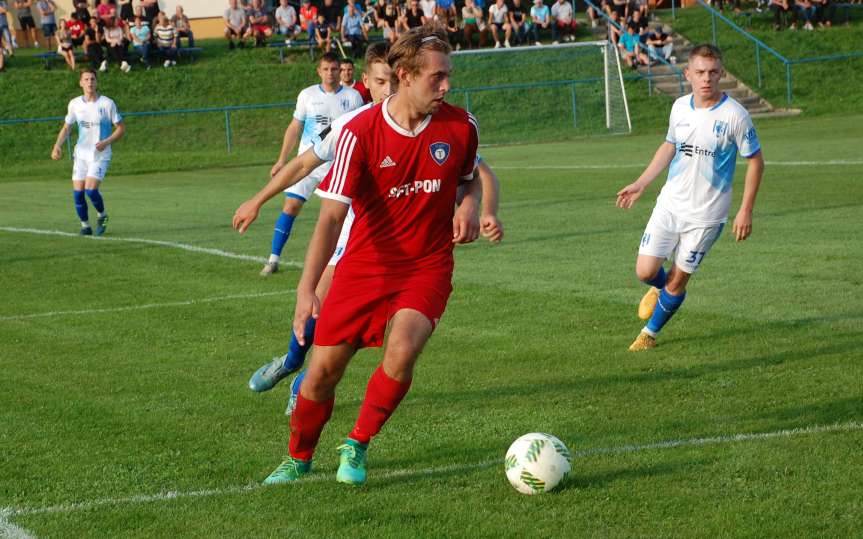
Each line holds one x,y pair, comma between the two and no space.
439,152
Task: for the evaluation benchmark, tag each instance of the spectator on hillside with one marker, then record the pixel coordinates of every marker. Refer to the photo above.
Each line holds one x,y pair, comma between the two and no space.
388,21
445,19
166,39
64,45
448,6
106,11
5,33
82,10
639,23
332,16
183,26
825,10
76,29
540,17
429,9
621,7
413,16
47,9
473,23
355,31
309,19
235,22
2,56
564,21
642,7
660,43
258,27
630,49
115,37
151,11
518,22
780,7
808,10
498,20
93,46
323,34
141,36
28,25
615,28
139,12
286,21
127,12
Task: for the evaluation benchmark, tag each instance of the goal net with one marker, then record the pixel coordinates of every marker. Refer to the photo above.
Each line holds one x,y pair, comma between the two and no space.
527,94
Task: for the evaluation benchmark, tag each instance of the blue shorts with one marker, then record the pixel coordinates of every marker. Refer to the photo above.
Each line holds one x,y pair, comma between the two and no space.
49,29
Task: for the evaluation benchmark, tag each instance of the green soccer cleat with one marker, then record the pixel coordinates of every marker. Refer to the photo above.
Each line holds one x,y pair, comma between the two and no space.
290,470
101,224
352,463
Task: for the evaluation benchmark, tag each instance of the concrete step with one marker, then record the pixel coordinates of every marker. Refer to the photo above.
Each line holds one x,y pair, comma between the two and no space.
672,88
779,113
759,109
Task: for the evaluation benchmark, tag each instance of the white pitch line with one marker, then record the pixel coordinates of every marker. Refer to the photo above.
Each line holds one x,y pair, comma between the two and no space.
12,531
174,245
835,162
141,307
316,477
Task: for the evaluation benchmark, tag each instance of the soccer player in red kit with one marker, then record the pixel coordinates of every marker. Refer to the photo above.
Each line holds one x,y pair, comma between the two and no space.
399,164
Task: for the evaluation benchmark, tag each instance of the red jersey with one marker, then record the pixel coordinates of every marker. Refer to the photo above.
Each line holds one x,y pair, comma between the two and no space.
402,188
363,91
75,28
308,15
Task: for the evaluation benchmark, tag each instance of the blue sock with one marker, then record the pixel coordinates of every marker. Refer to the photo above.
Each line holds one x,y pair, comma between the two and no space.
282,232
96,198
665,309
659,279
297,353
81,206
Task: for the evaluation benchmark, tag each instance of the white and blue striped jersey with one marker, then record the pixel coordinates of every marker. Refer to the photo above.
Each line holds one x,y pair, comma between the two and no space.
698,189
317,109
96,121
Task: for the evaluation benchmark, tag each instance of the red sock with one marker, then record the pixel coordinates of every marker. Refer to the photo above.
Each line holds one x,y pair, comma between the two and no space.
383,395
307,423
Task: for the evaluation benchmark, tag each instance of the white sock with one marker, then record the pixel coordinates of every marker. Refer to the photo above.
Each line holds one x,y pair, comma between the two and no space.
648,332
85,224
273,258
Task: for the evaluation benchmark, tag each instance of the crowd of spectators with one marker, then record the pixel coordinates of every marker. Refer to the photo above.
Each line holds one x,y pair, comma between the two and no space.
102,29
477,23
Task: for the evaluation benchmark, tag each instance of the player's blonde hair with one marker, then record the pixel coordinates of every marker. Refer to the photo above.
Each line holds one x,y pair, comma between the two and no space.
706,50
406,52
377,54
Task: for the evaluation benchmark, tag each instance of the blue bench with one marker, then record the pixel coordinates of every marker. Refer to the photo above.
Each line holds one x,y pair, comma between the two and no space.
310,44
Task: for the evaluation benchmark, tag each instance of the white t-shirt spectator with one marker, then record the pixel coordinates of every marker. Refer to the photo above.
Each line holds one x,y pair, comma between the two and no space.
428,7
235,17
498,14
286,17
562,12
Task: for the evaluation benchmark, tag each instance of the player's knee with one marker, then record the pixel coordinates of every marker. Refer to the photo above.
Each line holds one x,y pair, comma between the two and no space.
319,384
645,273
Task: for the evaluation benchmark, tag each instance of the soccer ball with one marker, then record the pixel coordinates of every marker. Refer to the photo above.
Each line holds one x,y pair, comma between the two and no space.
537,462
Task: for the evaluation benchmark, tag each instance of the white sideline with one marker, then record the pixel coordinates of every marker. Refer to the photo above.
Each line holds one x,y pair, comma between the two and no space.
316,477
834,162
183,246
141,307
12,531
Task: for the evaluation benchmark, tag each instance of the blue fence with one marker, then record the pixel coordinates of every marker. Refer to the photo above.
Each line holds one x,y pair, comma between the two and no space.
762,48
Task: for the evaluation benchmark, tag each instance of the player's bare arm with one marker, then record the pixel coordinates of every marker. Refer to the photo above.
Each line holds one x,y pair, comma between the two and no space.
321,247
292,136
742,225
119,131
465,223
57,150
297,168
490,226
627,196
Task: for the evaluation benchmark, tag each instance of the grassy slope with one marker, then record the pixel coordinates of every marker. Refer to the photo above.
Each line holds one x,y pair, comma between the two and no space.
818,88
110,405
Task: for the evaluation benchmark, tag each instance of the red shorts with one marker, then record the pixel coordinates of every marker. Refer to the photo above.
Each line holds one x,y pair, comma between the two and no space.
260,28
358,308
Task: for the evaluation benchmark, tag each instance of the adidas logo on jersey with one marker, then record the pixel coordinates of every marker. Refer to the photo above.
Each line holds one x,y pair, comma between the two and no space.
387,162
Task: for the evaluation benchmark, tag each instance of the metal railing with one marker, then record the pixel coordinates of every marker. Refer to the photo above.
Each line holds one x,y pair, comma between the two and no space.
761,46
671,67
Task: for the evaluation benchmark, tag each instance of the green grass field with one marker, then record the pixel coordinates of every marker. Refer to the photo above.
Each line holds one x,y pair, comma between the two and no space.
125,411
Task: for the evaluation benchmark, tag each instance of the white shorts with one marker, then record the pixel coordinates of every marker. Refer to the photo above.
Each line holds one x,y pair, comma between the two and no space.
666,233
304,188
343,239
86,168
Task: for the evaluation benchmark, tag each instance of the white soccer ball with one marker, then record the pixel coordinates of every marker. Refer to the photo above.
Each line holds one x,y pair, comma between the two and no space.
537,462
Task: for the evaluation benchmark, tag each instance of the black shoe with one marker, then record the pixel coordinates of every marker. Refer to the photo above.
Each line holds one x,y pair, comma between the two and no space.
231,45
242,44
